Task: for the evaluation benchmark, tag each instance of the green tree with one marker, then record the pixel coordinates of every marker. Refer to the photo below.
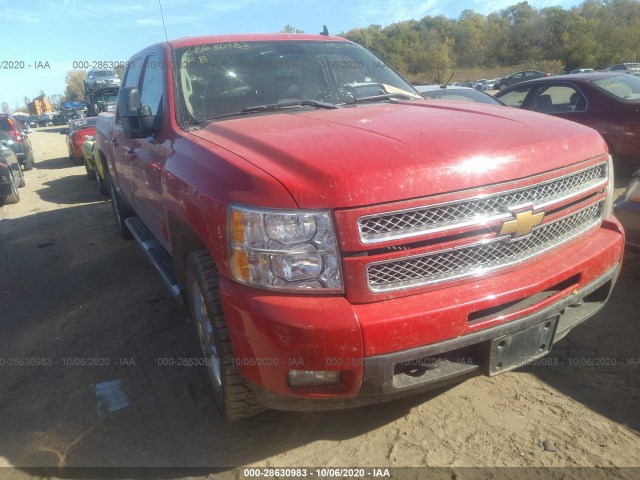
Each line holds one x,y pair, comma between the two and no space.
596,34
75,86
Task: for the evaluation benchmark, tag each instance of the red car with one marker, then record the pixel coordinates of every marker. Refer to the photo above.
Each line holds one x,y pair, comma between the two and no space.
77,134
607,102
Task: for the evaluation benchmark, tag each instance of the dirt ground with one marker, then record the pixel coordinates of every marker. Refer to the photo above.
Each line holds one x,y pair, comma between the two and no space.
79,306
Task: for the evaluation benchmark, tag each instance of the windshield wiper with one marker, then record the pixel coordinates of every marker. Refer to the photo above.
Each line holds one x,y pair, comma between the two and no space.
292,103
377,98
263,108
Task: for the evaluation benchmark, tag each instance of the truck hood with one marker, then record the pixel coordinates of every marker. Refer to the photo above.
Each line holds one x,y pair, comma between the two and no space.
377,153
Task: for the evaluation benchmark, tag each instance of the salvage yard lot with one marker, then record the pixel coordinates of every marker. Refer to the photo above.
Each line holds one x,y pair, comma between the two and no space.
79,307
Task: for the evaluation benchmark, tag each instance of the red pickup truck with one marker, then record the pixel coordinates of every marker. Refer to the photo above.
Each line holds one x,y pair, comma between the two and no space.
339,239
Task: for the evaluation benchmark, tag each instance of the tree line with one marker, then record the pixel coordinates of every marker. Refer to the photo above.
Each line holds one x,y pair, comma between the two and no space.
595,34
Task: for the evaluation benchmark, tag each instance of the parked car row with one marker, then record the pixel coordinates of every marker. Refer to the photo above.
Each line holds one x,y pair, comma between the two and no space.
502,83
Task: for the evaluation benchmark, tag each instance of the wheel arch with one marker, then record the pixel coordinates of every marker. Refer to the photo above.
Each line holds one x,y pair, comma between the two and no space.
101,163
184,241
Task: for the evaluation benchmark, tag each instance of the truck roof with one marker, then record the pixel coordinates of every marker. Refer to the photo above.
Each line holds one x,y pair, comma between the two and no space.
234,38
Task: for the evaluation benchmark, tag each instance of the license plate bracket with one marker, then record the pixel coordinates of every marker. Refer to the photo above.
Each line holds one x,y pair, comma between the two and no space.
516,349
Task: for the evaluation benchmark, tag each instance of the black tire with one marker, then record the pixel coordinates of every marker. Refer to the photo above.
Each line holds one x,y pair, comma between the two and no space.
121,211
21,182
103,185
232,394
28,162
91,174
14,197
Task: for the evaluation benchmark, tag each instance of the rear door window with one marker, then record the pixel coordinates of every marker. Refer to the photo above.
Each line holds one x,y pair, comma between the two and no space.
557,98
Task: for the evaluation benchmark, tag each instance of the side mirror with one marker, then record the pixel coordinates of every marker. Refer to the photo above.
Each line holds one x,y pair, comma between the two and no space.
137,120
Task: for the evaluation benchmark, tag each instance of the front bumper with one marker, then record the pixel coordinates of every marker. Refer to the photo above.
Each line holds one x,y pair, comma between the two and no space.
402,346
399,374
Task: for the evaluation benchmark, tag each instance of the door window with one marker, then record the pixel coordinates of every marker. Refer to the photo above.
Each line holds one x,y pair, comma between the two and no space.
558,99
151,85
515,97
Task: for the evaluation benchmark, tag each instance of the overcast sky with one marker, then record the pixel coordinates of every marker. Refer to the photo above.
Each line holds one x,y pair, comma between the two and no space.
43,38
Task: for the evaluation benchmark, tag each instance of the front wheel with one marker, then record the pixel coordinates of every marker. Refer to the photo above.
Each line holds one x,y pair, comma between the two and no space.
14,196
121,211
232,394
502,86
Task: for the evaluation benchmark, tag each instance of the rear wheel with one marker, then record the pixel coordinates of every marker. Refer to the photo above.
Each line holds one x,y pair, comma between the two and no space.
91,174
21,182
121,211
232,394
103,185
28,162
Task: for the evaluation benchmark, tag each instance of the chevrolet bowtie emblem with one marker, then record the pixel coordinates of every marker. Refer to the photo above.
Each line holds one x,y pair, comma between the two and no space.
522,225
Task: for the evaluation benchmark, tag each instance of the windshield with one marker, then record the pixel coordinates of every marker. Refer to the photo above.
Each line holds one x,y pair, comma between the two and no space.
107,98
83,123
625,86
220,79
103,73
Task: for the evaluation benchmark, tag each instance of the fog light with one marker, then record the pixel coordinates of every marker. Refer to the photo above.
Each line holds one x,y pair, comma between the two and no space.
313,378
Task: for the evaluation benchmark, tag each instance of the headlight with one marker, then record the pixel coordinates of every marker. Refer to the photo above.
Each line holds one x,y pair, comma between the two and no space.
284,250
608,211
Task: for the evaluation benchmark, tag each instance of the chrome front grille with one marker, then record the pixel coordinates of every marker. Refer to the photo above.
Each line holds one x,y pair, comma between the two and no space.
479,258
419,221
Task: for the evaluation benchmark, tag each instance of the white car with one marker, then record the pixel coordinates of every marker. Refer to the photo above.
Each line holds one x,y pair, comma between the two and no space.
481,85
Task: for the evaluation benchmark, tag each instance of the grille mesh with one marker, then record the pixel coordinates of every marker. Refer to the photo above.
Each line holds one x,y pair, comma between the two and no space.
478,258
389,226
